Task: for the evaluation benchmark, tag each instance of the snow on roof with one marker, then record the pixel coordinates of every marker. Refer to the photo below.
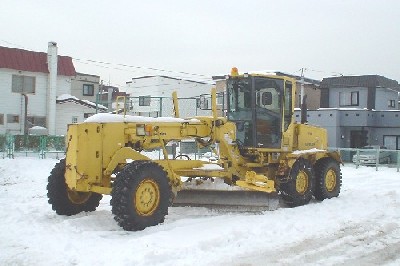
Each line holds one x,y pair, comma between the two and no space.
115,118
69,98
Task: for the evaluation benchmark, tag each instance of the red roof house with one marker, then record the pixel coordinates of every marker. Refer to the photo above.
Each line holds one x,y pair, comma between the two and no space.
24,60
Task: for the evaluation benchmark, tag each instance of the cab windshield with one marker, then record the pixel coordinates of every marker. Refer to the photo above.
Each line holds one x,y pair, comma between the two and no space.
255,104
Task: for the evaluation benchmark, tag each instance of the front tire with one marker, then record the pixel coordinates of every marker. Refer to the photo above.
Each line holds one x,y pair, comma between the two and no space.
140,195
328,179
298,189
65,201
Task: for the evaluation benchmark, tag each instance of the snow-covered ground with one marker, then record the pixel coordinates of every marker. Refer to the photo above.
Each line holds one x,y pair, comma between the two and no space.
361,227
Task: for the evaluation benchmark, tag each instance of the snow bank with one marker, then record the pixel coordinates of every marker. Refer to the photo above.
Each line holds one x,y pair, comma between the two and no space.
361,227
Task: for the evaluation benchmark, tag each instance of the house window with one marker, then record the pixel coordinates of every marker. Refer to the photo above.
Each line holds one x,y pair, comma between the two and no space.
12,118
348,98
88,89
1,119
202,102
144,100
74,119
36,121
392,103
23,84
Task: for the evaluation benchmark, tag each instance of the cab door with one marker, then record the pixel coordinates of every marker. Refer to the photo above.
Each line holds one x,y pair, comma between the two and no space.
268,112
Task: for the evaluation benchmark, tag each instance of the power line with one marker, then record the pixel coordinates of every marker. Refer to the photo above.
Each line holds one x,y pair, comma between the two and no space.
142,68
110,65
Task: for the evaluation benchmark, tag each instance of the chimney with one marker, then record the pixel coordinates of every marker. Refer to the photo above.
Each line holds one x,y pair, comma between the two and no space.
52,61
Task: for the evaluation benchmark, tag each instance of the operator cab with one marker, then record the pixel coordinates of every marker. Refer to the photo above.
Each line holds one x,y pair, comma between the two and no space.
261,106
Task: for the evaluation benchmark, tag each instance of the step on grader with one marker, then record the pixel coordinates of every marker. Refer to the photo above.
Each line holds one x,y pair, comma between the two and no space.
263,155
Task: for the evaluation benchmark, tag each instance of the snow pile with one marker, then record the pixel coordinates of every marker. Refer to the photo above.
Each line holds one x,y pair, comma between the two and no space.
361,227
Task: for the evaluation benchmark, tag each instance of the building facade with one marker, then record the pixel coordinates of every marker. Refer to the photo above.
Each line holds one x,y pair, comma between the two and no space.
359,111
151,96
85,87
30,84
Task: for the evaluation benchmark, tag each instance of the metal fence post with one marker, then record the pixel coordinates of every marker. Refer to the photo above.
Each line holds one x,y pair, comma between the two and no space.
42,146
10,146
357,158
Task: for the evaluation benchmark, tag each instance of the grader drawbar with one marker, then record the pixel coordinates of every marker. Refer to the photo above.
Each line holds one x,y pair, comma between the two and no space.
264,157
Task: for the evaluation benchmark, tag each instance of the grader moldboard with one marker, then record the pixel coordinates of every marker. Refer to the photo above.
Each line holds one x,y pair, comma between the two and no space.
261,150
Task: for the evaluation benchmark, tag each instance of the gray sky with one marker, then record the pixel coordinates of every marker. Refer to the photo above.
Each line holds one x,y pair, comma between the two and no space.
208,37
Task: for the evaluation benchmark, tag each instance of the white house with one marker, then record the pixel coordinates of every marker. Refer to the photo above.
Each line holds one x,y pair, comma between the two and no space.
151,95
30,83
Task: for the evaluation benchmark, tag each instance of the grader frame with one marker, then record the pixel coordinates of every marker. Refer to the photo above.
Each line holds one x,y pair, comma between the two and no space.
105,144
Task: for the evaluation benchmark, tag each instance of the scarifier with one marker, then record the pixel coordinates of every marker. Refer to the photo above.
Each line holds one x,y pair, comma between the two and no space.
263,155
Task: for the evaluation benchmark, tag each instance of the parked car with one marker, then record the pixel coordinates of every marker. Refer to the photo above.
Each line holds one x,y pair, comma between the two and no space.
367,155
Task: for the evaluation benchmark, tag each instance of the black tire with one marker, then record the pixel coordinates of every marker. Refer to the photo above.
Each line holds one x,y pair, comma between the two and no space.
298,188
140,195
328,179
65,201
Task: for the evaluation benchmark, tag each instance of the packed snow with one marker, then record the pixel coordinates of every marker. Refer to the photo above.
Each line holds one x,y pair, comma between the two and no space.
361,227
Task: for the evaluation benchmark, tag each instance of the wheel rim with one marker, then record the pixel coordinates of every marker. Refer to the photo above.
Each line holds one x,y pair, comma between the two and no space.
301,182
147,197
78,197
330,180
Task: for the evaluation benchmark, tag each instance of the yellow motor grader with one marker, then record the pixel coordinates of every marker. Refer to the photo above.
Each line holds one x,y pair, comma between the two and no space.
262,153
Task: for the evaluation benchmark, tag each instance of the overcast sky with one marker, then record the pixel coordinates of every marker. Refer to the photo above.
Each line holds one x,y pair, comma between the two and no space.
208,37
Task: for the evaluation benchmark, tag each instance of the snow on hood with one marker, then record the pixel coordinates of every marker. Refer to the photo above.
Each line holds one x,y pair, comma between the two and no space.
307,151
115,118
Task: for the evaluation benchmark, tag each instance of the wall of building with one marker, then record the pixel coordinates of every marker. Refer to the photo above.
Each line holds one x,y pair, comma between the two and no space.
383,96
65,114
334,96
159,87
77,86
14,103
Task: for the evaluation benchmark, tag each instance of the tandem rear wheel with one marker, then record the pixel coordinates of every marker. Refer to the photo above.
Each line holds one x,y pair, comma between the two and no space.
298,189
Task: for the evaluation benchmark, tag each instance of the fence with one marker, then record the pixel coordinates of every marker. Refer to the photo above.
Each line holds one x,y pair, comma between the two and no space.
12,146
371,157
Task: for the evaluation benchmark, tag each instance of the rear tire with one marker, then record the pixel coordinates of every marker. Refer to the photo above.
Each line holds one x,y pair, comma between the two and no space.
298,189
328,179
140,195
65,201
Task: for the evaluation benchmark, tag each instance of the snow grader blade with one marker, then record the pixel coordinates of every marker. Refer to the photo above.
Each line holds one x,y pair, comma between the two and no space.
229,200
